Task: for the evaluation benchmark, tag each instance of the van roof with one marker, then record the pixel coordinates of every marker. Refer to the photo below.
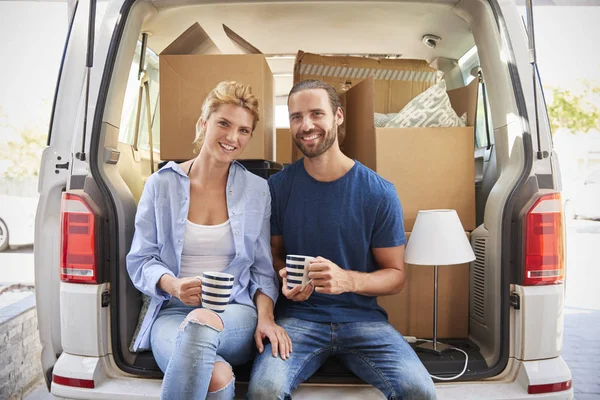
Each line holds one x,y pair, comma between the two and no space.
281,29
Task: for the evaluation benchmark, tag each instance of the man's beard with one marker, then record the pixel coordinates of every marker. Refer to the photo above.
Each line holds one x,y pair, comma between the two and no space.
328,138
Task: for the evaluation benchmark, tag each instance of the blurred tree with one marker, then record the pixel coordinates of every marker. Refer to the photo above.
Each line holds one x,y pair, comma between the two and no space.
24,153
575,111
23,150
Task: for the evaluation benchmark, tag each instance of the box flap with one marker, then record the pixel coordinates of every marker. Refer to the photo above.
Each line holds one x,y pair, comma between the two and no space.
359,142
188,41
464,99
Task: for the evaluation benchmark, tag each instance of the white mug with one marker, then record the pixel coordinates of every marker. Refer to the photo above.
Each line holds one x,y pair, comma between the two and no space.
296,267
216,290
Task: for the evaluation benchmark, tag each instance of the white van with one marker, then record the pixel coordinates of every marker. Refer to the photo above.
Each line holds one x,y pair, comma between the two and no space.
92,174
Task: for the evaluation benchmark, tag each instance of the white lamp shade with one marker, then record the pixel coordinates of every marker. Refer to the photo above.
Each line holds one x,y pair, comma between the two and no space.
438,238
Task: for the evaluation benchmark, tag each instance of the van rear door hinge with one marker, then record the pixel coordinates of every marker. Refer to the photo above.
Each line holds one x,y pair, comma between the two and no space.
515,301
105,298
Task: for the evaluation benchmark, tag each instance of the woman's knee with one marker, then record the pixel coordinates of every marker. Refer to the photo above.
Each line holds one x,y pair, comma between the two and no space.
221,376
204,316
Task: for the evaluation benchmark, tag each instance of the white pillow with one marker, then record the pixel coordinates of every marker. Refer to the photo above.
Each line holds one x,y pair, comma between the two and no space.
429,109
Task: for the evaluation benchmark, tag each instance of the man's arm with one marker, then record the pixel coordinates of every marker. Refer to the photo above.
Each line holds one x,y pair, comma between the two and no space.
278,252
389,279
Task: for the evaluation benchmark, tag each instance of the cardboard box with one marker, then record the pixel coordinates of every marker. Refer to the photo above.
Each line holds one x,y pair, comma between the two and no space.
431,168
418,161
284,145
396,81
186,80
411,310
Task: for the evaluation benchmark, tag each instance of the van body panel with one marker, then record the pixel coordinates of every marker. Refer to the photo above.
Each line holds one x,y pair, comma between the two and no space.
46,254
539,322
82,307
111,383
522,59
56,165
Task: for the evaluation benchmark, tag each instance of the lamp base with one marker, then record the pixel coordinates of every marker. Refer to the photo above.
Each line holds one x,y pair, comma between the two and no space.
438,349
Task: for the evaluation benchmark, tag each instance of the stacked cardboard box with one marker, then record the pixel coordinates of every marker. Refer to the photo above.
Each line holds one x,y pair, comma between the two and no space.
185,81
431,168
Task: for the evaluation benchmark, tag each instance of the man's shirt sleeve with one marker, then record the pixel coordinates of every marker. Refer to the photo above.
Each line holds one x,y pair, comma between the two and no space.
389,221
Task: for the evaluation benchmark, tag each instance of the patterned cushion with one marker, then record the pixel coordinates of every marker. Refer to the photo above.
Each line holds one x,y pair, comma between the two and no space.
145,304
430,109
382,119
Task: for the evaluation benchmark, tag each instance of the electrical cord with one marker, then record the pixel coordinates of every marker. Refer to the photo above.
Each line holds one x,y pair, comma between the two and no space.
456,376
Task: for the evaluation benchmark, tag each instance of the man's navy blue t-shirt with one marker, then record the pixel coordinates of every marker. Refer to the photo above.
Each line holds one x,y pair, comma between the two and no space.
340,221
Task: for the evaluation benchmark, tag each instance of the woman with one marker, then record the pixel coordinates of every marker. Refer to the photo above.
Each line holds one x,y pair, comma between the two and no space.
207,214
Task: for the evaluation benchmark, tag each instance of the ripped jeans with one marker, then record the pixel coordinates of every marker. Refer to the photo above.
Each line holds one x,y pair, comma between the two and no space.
186,353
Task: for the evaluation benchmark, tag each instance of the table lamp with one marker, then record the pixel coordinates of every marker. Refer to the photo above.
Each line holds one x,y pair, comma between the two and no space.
437,238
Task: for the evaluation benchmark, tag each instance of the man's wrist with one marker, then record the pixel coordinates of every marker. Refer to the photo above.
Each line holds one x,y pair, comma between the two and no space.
354,282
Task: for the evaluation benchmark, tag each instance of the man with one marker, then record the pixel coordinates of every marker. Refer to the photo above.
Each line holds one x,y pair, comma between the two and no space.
332,207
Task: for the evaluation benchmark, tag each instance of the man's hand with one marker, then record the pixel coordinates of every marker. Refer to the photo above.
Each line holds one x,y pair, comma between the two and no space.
295,294
280,341
328,278
189,291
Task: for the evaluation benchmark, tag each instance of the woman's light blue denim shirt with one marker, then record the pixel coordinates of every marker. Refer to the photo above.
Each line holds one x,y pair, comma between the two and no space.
160,226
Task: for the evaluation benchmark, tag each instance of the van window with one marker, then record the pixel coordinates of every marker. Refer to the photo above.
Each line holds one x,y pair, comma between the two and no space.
482,119
469,63
282,119
130,104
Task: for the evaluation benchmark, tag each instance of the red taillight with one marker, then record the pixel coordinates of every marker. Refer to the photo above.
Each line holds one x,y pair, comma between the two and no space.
549,388
544,242
73,382
78,241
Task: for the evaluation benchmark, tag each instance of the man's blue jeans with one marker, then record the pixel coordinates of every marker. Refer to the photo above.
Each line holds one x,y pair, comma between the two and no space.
374,351
186,352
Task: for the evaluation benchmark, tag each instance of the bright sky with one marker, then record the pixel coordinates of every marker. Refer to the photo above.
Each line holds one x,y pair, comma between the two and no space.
567,44
32,36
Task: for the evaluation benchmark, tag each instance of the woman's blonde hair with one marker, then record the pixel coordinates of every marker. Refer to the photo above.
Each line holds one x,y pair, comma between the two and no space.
227,92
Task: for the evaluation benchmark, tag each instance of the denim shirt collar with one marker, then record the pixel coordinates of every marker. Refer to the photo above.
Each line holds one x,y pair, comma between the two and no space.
177,168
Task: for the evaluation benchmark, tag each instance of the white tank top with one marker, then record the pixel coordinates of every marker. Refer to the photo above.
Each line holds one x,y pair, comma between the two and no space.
206,248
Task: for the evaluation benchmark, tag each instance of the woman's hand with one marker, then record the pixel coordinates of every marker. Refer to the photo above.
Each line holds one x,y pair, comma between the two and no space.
189,291
280,341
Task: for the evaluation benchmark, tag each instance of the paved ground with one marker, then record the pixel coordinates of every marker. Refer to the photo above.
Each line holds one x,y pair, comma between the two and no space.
582,313
581,348
16,266
581,351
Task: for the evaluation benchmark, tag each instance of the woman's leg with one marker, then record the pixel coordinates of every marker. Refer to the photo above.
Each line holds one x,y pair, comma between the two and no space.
193,359
222,383
235,343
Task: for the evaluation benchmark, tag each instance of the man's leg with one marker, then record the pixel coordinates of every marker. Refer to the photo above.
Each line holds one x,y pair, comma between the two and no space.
378,354
274,378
